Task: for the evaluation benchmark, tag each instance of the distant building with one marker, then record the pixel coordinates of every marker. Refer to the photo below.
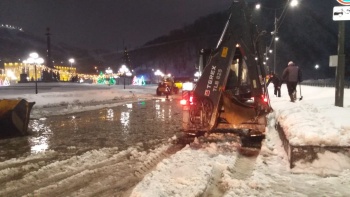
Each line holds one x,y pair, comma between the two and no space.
21,72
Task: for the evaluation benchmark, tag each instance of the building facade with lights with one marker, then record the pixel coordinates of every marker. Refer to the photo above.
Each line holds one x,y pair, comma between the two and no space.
21,72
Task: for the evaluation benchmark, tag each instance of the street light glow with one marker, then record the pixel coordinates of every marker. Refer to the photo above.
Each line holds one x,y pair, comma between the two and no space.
124,71
317,66
71,60
291,3
258,6
158,73
34,55
109,70
34,59
294,3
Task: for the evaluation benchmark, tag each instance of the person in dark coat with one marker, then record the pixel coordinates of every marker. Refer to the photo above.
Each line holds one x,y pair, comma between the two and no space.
276,83
292,75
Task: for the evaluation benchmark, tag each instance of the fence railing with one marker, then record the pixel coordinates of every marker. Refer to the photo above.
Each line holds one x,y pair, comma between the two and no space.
324,83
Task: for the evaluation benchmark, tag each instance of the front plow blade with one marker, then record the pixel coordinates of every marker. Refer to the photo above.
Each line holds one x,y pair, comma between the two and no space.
14,117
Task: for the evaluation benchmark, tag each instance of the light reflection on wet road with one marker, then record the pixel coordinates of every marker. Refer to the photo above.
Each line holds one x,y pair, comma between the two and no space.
145,122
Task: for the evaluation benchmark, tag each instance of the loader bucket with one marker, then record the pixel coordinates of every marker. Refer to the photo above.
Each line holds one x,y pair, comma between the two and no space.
241,116
237,114
14,117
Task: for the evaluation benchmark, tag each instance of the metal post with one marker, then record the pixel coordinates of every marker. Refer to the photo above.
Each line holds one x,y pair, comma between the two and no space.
36,80
275,45
124,81
339,78
266,66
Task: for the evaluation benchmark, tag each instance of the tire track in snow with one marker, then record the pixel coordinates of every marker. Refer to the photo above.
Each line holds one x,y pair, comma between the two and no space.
105,172
241,170
17,168
60,170
243,167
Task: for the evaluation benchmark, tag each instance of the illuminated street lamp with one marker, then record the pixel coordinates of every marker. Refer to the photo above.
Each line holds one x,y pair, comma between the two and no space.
124,71
294,3
71,61
34,59
317,67
158,73
291,3
109,71
258,6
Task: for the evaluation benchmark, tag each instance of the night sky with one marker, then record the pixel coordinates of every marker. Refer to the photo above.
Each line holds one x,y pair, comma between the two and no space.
105,24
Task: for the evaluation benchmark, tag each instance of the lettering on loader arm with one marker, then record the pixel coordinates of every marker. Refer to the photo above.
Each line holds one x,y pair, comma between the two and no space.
213,81
217,80
211,77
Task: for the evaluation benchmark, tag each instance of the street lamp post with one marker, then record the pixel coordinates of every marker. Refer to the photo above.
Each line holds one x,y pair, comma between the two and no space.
36,80
124,71
317,67
275,45
158,73
34,59
71,61
275,38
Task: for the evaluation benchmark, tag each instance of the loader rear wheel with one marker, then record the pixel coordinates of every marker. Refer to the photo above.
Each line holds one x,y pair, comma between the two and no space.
207,107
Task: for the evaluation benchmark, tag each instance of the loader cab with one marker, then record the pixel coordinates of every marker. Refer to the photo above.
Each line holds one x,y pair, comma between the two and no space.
238,80
204,55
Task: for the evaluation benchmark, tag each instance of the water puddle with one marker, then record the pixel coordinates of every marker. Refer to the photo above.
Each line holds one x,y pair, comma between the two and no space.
143,123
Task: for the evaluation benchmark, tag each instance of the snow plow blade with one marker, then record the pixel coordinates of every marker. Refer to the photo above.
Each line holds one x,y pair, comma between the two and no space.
14,117
306,153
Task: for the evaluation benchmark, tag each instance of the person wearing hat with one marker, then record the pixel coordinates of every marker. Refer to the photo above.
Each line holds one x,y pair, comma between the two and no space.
276,83
292,75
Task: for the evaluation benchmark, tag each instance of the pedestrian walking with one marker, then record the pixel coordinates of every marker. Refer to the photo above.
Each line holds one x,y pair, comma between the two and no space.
276,83
292,75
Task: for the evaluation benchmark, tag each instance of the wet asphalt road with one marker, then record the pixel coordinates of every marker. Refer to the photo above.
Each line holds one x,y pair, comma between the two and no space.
144,123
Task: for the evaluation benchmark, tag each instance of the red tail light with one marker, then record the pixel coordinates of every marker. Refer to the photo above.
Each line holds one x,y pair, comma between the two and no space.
185,102
264,98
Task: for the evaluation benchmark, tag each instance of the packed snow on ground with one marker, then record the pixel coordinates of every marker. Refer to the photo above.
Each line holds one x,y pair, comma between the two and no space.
212,170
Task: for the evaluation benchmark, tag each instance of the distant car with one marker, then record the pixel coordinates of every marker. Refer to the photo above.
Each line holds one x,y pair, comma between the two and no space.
167,86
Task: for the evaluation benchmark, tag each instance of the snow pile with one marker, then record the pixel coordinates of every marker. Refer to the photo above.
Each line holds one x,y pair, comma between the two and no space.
315,120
